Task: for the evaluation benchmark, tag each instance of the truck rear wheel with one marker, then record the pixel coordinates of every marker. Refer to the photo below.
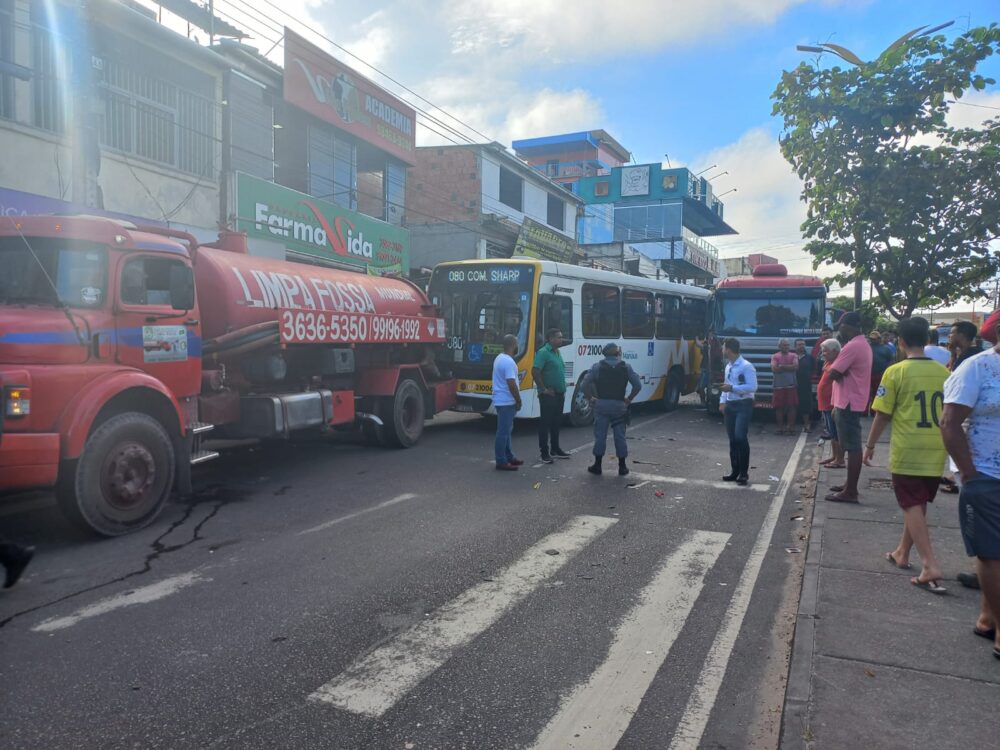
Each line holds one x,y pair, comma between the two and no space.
123,477
403,416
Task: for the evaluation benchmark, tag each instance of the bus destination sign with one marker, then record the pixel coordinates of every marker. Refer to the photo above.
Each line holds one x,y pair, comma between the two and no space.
514,275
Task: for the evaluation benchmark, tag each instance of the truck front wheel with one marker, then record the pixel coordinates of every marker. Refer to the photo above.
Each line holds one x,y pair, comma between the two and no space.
403,416
123,477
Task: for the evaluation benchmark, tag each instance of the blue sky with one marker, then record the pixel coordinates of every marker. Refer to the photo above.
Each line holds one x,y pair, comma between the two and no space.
689,78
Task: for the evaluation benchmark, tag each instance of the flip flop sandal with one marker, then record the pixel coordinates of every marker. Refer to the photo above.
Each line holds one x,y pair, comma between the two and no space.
932,586
835,497
889,558
836,466
837,488
990,633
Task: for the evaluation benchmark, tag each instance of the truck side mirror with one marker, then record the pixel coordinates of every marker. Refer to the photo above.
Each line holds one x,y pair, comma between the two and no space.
181,287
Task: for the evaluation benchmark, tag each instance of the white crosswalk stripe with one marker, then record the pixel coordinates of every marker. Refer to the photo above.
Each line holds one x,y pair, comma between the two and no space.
376,681
731,486
597,713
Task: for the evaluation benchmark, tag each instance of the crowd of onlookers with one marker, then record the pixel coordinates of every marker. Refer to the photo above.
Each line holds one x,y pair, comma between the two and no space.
943,404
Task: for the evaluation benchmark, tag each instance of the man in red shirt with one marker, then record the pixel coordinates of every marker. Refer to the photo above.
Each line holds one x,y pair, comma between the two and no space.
851,373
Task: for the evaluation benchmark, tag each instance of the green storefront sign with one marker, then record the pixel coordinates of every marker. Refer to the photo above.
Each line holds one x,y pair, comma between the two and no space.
314,227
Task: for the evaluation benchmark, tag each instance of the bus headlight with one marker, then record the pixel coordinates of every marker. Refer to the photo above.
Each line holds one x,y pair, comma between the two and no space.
17,401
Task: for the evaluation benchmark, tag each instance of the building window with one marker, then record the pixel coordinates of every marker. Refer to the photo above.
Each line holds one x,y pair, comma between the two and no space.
637,314
158,109
601,313
668,316
601,188
48,61
693,318
511,189
395,192
552,168
251,127
7,56
556,212
333,167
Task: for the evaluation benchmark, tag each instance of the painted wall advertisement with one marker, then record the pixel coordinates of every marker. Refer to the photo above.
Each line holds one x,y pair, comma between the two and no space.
325,87
538,241
314,227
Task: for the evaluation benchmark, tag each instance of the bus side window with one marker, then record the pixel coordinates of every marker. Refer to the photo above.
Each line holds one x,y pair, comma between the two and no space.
554,312
668,317
694,320
601,311
637,317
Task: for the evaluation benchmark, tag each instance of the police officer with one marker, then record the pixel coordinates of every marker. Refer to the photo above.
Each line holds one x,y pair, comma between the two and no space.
605,386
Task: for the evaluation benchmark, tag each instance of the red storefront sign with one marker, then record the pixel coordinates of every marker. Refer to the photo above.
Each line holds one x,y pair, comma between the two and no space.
321,85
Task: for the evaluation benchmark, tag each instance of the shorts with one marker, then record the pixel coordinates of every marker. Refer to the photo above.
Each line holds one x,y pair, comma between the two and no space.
831,426
848,429
785,398
912,491
979,516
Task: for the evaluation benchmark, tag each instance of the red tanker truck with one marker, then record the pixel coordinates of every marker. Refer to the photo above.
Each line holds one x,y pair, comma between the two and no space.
123,348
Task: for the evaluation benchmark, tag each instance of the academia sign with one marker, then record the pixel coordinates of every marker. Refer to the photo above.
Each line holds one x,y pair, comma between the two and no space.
324,87
314,227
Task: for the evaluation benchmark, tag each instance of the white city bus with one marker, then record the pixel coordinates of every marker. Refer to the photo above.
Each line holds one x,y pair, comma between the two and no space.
654,322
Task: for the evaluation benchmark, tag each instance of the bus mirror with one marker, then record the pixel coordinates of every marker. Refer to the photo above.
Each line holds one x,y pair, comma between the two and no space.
181,287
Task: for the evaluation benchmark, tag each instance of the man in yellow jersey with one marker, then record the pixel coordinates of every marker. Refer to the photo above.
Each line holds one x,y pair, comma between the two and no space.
911,397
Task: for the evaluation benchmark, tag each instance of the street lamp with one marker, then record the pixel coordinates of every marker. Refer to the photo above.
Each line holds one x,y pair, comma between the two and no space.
845,54
717,176
706,169
731,190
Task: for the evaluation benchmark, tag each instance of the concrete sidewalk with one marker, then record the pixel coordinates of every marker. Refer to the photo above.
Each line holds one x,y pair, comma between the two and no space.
877,662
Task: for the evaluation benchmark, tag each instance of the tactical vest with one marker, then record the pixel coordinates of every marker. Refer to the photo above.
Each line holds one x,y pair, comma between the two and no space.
612,380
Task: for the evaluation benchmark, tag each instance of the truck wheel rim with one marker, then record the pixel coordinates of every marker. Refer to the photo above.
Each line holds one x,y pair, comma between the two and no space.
129,472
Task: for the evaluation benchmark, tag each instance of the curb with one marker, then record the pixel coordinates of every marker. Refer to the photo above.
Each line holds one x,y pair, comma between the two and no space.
794,724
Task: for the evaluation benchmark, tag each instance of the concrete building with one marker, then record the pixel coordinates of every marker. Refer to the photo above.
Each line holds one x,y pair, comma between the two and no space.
105,111
744,265
664,214
480,201
566,158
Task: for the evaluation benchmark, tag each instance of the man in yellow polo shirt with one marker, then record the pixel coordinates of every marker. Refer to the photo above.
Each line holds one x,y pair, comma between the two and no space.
549,373
911,397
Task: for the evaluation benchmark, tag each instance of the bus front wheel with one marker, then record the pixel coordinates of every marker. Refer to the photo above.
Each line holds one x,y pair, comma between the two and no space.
581,412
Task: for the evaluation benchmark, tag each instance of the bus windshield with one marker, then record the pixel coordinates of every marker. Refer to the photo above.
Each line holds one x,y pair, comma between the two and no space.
765,315
480,305
78,271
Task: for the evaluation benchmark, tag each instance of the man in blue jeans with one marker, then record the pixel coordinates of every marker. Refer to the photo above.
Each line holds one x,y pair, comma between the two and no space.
507,402
736,403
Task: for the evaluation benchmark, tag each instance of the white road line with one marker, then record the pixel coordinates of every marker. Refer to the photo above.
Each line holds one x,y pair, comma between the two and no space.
373,683
596,714
143,595
700,482
398,499
699,707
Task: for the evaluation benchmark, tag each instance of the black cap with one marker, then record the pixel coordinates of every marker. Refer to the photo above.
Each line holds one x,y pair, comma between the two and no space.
852,319
610,349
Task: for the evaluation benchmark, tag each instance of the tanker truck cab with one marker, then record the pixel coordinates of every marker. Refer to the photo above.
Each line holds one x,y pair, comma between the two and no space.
123,347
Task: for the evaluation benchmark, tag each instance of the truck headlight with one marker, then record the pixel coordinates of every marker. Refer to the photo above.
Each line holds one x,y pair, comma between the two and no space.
17,401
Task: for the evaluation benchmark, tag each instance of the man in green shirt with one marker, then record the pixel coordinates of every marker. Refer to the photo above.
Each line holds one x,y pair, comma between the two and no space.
549,373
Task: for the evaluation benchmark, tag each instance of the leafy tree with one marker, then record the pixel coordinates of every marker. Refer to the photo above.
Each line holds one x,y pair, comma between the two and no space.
872,318
894,193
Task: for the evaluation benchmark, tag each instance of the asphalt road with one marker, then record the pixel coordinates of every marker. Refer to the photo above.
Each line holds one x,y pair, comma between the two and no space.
328,594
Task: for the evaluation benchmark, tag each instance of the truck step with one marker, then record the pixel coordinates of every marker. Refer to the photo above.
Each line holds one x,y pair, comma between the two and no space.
200,457
198,428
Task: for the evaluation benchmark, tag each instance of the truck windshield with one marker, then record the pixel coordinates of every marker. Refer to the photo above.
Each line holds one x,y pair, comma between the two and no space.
768,316
480,305
78,270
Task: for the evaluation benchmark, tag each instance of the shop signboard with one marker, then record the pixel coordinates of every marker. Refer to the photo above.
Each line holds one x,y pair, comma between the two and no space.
538,241
325,87
314,227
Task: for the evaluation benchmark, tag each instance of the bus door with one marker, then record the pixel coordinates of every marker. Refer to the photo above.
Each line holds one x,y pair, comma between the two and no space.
556,311
638,334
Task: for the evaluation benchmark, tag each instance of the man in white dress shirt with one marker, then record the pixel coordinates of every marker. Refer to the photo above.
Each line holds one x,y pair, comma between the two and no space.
736,403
